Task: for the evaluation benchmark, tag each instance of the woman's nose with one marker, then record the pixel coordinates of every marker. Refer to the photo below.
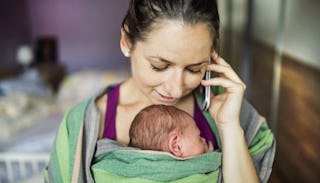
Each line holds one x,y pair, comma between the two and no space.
175,85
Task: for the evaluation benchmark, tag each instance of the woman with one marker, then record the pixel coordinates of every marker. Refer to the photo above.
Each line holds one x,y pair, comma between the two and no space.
169,44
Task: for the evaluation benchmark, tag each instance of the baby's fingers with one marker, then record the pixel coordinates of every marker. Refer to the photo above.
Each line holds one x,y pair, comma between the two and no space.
210,146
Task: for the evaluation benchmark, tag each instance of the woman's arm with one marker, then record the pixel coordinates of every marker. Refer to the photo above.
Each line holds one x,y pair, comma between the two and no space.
237,163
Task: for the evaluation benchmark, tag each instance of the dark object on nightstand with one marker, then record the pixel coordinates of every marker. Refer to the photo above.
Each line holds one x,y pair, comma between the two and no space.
46,50
46,61
52,74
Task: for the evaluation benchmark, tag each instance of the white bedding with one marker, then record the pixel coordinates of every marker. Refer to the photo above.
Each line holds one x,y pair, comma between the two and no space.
19,111
29,123
38,178
32,141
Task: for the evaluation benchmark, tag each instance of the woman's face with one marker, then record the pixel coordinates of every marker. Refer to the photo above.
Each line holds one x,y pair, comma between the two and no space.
171,61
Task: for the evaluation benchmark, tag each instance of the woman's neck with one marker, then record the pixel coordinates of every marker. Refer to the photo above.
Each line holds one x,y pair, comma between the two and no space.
131,97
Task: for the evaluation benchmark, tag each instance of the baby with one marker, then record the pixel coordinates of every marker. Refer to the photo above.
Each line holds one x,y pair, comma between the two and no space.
168,129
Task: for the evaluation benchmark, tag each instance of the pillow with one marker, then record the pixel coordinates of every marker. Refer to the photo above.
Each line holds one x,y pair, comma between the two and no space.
83,84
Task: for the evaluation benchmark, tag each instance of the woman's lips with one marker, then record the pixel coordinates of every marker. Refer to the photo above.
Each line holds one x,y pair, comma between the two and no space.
166,99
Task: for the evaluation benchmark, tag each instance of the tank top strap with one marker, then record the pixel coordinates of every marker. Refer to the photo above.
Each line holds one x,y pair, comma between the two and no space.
111,112
205,130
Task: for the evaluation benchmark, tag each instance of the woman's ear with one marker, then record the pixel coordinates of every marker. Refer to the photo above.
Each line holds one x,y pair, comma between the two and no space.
175,145
125,43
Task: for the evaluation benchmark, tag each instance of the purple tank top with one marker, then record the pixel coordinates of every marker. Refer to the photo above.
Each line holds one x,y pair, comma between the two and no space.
110,118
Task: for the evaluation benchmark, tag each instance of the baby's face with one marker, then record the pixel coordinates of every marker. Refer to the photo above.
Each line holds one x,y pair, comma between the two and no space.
192,143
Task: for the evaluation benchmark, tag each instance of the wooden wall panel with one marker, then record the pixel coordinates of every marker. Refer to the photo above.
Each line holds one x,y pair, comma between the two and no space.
261,69
298,127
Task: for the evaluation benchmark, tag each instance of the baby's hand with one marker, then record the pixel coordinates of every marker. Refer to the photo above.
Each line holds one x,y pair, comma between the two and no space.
210,147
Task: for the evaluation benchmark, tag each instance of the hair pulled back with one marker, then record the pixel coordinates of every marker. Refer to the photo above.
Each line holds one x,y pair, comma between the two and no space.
143,14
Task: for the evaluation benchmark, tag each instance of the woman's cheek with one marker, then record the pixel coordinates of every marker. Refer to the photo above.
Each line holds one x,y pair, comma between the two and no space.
193,80
144,73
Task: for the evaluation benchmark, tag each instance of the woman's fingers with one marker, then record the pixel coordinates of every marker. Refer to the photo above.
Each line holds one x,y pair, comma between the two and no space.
219,60
222,67
227,71
229,85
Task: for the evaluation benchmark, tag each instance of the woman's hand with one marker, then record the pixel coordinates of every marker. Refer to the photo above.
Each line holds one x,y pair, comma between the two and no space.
225,108
237,165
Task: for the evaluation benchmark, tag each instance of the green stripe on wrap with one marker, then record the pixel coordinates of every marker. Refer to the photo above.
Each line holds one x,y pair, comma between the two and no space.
104,176
76,116
262,140
53,166
63,153
155,167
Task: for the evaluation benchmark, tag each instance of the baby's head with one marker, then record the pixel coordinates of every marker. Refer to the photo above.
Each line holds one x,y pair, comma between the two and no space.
169,129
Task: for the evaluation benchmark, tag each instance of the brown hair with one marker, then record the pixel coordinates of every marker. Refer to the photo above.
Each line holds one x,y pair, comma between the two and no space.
153,124
143,14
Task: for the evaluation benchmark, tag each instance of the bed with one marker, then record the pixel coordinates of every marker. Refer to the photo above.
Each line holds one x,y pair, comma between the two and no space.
29,120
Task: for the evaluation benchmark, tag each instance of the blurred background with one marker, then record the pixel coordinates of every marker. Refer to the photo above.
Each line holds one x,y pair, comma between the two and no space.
274,46
55,53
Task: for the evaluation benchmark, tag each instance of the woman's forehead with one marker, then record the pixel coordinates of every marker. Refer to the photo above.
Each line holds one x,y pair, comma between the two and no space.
173,40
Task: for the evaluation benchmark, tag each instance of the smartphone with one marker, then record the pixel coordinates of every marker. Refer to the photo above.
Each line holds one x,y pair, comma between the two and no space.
207,90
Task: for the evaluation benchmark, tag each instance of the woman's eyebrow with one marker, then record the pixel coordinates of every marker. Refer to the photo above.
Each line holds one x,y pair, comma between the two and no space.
170,62
200,63
161,59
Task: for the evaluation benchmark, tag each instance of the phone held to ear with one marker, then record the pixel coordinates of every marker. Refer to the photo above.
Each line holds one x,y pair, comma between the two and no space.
207,91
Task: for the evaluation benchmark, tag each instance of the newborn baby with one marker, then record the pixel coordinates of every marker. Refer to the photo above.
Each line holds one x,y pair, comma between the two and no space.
168,129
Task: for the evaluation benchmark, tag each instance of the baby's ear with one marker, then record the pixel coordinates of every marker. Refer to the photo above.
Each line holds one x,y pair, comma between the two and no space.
175,145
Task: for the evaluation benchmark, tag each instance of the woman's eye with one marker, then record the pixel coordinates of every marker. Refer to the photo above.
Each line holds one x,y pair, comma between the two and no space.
194,71
158,69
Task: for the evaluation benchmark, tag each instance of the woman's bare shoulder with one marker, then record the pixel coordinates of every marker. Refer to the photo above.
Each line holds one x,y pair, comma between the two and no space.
102,107
101,101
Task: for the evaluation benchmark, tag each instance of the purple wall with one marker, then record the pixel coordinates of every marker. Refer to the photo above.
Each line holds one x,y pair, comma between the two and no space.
14,30
88,32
